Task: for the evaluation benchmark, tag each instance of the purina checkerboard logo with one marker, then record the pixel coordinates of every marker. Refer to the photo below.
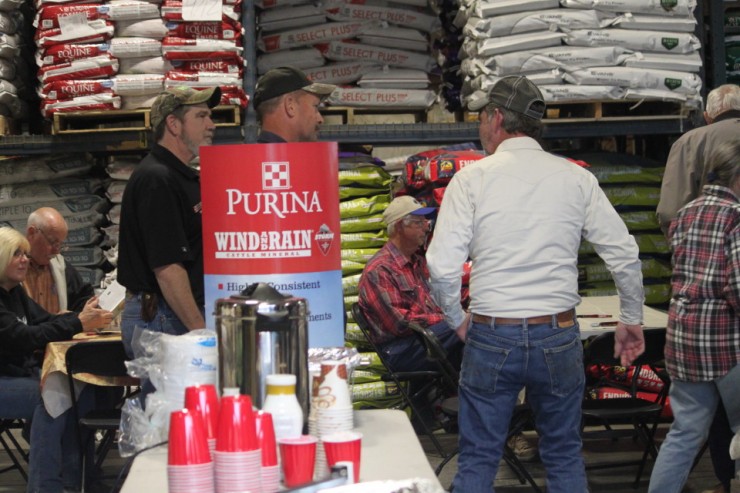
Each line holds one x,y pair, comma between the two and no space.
276,176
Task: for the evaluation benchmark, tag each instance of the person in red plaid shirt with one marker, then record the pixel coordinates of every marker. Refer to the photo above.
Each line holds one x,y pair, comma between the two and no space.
394,290
703,336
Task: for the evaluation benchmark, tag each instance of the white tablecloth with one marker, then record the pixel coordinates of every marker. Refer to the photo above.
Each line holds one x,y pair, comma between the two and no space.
609,305
390,451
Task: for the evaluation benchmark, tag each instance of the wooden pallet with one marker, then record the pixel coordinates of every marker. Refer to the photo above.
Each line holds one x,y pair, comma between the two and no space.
8,126
77,122
608,110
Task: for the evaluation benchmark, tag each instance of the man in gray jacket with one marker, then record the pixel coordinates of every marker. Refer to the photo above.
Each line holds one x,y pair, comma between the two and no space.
685,169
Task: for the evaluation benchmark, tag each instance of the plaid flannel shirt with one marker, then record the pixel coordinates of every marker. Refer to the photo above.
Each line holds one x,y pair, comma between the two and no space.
703,337
394,291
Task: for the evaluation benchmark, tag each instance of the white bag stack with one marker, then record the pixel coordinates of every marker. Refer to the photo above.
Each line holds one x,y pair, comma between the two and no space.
584,49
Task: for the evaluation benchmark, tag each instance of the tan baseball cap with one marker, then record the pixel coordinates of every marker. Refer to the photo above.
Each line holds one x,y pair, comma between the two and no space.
174,97
403,206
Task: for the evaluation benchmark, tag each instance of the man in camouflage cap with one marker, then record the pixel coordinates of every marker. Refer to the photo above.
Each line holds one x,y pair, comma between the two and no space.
160,259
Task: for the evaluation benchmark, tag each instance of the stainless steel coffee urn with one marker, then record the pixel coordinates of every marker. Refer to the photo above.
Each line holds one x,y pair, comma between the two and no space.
260,332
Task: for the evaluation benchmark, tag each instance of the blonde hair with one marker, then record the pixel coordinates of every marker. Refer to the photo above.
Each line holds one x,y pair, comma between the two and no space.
10,242
723,98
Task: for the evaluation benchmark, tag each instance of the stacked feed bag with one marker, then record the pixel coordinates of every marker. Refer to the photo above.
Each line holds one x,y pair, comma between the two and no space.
364,193
123,53
78,56
585,49
62,182
632,185
16,76
368,390
379,53
205,48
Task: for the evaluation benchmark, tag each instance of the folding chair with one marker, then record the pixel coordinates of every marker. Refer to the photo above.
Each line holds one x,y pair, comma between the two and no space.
429,382
12,447
103,359
519,420
642,414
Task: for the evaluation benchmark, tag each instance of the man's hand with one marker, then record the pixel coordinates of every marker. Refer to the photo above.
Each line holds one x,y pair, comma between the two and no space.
462,330
629,343
93,317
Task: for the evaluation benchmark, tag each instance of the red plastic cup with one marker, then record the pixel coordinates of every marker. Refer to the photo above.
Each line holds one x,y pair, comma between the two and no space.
266,439
298,456
203,400
344,446
187,440
236,426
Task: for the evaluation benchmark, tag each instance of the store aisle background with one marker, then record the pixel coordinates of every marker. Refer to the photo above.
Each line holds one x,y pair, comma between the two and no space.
613,480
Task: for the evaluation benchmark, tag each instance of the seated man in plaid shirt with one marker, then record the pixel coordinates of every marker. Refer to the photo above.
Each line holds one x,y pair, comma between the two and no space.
394,290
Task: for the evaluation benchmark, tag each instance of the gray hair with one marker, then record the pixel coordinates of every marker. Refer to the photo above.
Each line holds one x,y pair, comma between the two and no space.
178,113
723,98
514,122
724,164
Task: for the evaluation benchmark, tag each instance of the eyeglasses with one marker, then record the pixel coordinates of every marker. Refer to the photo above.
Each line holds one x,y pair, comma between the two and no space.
416,221
55,244
20,253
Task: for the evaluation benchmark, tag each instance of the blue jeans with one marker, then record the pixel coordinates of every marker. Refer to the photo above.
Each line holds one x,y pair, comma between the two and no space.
694,405
409,354
54,459
20,396
164,321
500,360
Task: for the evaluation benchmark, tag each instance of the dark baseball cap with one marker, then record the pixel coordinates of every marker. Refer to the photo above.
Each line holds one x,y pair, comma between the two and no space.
174,97
283,80
515,93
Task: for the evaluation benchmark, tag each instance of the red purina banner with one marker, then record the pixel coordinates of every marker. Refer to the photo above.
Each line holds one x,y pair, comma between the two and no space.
271,214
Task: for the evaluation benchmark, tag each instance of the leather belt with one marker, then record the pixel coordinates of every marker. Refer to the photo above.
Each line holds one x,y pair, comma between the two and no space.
565,319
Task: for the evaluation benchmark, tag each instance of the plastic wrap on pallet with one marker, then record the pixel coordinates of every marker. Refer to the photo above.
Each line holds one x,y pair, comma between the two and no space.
570,92
138,84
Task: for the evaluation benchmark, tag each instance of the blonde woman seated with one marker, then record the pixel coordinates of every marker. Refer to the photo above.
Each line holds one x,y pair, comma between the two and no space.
25,329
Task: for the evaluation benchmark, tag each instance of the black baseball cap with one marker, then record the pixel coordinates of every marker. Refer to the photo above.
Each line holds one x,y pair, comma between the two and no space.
283,80
515,93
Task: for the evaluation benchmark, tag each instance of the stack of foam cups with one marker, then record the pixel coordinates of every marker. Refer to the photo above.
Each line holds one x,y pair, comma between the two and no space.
237,456
203,401
189,465
331,409
268,446
188,360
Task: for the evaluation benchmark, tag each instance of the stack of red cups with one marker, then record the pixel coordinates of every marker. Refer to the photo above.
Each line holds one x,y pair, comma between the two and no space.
189,465
237,456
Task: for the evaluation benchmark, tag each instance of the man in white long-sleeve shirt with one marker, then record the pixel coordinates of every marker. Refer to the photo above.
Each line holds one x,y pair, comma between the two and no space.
519,214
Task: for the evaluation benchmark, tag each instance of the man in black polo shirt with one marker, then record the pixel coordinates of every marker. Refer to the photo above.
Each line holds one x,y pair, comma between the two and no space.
160,258
287,106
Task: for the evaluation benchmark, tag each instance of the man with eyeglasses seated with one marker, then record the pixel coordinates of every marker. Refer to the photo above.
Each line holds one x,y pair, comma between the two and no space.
50,281
394,290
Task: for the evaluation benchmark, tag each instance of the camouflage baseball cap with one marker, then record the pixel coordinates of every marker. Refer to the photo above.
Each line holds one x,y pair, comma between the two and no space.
174,97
